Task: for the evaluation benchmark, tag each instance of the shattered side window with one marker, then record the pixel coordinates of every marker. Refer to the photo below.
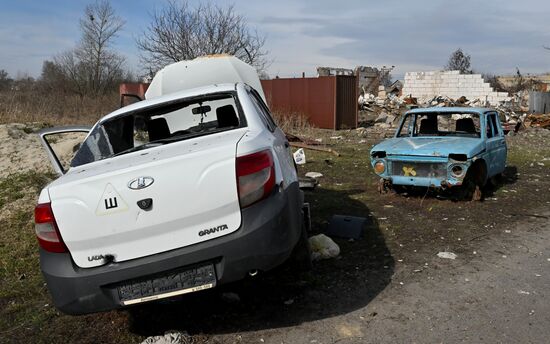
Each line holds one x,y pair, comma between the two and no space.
93,148
492,122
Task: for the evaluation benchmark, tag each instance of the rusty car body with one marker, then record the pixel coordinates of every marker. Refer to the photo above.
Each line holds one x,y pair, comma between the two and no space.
443,148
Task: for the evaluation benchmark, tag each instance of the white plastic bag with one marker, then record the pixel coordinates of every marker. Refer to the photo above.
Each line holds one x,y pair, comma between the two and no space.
323,247
300,157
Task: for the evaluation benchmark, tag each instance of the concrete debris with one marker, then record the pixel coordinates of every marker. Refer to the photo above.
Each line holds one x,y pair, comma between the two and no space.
383,115
447,255
323,247
314,175
307,183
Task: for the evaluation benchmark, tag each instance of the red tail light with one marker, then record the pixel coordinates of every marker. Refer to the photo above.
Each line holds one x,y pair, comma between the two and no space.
255,177
46,229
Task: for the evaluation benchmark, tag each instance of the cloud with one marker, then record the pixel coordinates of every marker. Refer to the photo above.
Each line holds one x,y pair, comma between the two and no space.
419,35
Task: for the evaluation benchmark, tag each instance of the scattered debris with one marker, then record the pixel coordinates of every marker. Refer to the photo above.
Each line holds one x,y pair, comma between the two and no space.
307,183
323,247
346,226
314,175
300,157
170,337
315,148
447,255
382,113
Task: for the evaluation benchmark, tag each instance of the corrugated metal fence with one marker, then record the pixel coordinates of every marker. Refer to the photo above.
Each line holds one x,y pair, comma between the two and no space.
539,102
328,102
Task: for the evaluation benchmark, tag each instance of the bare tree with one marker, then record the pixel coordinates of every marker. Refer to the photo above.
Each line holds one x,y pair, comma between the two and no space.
93,67
52,78
5,81
519,81
181,32
99,26
459,61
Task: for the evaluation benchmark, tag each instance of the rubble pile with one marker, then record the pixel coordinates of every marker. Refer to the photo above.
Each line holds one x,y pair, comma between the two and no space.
382,113
539,121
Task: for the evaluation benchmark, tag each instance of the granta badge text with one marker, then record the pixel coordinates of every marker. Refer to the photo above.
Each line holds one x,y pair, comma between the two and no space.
212,230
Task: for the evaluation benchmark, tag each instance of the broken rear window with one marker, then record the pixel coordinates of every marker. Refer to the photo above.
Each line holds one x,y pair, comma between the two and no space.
441,124
161,124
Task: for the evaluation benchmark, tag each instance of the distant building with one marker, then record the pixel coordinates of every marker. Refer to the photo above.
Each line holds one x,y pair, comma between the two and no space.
369,78
331,71
395,88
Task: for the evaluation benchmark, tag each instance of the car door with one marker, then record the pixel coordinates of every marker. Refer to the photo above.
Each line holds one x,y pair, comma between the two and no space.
502,150
47,138
495,145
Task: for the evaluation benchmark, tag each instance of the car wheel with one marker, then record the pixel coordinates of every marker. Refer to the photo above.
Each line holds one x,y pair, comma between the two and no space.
470,191
496,180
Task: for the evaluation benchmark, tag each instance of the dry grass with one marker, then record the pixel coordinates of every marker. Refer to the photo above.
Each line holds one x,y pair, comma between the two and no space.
55,109
64,109
292,122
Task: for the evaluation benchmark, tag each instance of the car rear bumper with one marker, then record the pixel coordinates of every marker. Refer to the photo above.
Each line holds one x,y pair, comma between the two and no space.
269,231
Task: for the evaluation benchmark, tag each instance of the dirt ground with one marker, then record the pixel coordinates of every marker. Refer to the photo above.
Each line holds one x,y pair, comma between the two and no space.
389,286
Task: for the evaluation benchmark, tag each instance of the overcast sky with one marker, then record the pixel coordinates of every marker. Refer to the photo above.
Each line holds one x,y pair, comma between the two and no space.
301,35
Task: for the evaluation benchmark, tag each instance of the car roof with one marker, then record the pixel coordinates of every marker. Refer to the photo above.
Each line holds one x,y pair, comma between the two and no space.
477,110
204,90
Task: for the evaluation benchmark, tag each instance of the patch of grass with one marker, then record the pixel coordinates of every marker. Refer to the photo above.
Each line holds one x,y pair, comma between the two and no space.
16,186
26,309
22,284
522,156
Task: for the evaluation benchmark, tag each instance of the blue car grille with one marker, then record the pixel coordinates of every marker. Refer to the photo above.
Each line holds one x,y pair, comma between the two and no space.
419,169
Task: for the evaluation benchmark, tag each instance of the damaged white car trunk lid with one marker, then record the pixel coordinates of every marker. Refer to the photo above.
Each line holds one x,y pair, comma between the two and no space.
98,210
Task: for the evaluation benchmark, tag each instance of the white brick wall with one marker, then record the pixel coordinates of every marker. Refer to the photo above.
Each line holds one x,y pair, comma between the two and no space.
451,84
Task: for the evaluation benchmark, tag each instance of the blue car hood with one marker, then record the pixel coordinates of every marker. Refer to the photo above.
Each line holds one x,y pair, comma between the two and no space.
431,146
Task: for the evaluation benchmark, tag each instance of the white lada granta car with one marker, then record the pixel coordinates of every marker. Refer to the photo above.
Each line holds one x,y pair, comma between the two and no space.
174,194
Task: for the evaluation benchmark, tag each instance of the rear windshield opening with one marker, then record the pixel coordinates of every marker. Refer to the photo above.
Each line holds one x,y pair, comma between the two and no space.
160,125
441,124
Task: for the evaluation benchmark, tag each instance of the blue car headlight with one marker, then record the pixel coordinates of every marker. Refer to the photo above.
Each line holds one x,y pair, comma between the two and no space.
379,166
457,170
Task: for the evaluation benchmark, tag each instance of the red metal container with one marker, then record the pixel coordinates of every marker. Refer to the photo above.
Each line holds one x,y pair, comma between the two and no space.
329,102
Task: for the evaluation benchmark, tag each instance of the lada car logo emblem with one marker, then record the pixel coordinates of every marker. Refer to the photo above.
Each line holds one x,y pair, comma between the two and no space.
140,183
